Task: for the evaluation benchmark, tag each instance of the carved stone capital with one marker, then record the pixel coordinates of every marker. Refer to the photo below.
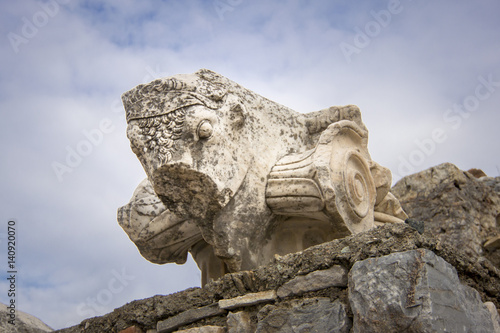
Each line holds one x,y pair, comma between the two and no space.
234,178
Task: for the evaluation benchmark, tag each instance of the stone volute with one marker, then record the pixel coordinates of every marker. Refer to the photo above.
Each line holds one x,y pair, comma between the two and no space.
234,178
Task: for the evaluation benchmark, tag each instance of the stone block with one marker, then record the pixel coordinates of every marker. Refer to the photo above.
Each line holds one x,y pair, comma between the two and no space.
413,291
495,315
335,276
240,322
458,209
493,243
188,317
132,329
204,329
307,315
248,300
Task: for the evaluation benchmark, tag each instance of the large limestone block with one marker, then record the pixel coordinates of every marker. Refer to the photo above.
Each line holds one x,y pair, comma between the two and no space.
306,315
413,291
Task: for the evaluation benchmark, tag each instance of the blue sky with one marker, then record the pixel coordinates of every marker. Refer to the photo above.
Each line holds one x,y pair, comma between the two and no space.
426,76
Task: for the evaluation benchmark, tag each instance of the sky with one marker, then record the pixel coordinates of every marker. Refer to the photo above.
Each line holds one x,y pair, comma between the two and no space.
425,74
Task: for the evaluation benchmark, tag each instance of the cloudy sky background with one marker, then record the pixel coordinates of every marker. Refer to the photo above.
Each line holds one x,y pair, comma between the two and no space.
409,66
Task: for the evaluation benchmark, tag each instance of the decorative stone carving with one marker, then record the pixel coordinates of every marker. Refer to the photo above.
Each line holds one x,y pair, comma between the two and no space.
235,178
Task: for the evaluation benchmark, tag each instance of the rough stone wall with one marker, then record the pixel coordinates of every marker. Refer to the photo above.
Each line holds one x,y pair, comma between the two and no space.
389,279
459,209
263,300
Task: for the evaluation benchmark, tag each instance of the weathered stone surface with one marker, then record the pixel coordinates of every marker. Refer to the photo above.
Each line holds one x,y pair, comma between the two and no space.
492,244
204,329
335,276
235,178
459,209
248,300
308,315
187,317
152,227
478,173
413,291
240,322
417,225
132,329
23,322
495,316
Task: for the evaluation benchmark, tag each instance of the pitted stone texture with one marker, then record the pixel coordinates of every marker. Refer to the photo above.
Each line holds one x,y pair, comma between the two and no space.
248,300
495,315
244,176
240,322
160,235
335,276
204,329
458,209
413,291
188,317
307,315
